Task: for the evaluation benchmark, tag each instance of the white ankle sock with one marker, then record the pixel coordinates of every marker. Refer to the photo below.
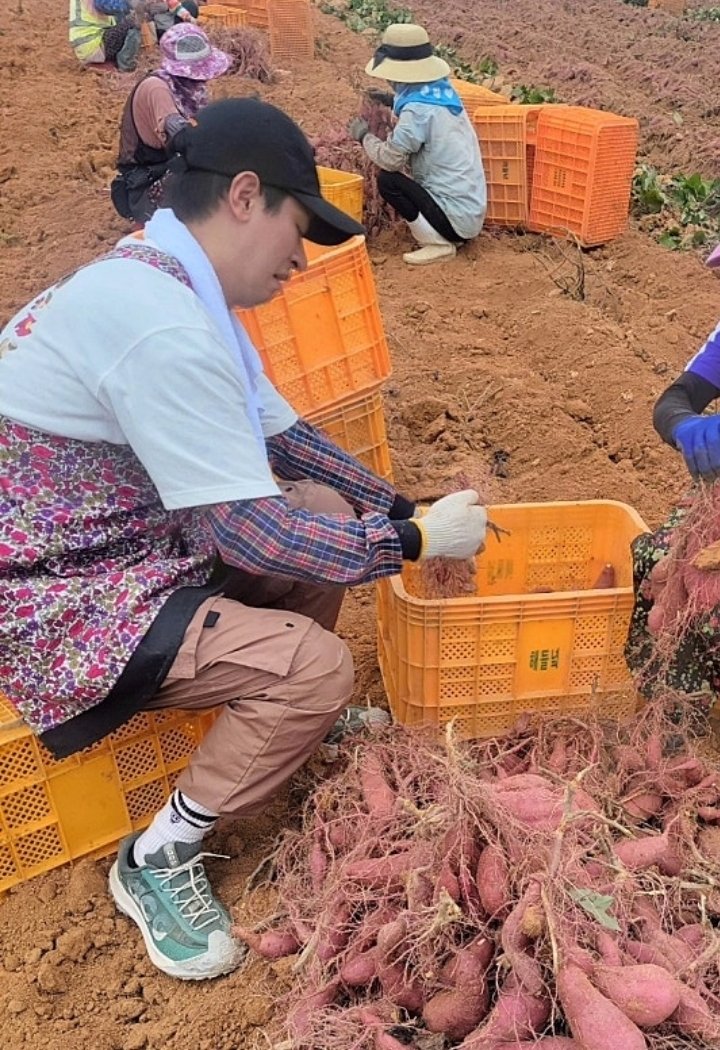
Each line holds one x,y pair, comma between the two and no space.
180,820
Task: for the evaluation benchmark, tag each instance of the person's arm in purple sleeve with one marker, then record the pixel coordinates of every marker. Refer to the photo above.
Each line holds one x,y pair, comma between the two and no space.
302,451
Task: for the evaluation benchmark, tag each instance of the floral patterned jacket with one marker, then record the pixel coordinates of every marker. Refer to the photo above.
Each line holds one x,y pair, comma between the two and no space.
89,558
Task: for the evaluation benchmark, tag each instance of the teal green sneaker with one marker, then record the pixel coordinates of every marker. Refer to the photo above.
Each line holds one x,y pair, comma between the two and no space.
186,931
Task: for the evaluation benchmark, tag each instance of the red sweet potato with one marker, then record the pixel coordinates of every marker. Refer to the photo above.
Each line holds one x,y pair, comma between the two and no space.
550,1042
386,1041
299,1017
649,851
273,944
318,864
460,1009
595,1022
336,935
646,994
515,1015
377,794
493,881
642,805
693,934
515,941
380,872
536,802
608,948
360,969
399,988
695,1018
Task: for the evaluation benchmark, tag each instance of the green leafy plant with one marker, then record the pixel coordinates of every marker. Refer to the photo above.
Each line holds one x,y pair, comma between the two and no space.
686,207
360,15
705,14
486,67
527,95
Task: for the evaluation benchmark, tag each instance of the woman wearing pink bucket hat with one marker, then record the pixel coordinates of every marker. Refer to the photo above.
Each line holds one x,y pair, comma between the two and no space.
160,105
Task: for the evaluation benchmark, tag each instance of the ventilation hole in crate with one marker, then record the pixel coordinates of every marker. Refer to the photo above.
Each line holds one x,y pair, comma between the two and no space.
17,761
494,686
456,651
450,691
139,723
26,806
145,800
136,760
590,633
39,847
7,863
177,743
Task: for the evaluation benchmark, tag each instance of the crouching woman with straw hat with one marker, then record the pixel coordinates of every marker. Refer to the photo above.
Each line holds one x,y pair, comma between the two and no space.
444,200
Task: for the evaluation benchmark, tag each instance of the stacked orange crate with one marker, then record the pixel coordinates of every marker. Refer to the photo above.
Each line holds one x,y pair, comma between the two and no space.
256,12
323,345
473,95
292,32
506,133
222,15
584,163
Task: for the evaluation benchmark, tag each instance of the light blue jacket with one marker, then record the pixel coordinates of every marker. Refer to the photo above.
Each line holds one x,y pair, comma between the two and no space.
443,154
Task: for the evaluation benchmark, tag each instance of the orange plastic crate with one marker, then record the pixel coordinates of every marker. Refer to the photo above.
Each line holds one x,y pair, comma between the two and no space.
292,32
534,638
256,12
322,338
584,163
222,15
506,134
358,426
472,95
673,7
344,189
52,812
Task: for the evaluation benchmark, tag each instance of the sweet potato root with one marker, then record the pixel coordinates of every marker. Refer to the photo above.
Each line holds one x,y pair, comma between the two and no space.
647,994
595,1022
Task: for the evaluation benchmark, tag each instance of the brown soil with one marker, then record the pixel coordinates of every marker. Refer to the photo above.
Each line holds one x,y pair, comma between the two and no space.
490,356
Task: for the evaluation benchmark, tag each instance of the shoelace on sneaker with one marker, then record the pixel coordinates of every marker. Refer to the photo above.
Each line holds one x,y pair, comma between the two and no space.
191,896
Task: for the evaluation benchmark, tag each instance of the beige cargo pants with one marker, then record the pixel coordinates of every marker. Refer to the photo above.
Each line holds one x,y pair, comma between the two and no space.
265,651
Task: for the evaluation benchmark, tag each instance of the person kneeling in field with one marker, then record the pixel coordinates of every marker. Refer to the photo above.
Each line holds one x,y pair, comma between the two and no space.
159,106
694,668
105,31
171,533
445,201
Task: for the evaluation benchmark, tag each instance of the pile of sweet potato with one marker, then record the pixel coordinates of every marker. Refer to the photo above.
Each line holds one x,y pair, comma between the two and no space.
558,889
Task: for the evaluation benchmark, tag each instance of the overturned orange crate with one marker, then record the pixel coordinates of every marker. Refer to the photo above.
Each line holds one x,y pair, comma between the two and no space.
358,426
582,179
506,134
344,189
322,338
54,811
227,15
292,32
473,95
534,638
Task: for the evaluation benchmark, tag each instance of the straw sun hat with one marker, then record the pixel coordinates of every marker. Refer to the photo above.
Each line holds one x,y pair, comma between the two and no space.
406,56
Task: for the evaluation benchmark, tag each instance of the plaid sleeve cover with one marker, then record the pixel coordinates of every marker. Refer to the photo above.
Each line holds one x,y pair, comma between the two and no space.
265,536
303,452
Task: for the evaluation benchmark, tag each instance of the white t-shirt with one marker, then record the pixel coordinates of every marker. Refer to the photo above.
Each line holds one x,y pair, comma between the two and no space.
125,353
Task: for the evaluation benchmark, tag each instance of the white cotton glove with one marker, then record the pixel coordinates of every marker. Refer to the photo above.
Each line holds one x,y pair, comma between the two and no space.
454,526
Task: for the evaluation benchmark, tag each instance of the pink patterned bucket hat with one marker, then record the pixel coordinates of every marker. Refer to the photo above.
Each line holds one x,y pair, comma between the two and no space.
187,52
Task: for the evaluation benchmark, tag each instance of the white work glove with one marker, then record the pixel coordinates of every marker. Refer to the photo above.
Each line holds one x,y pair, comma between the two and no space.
454,526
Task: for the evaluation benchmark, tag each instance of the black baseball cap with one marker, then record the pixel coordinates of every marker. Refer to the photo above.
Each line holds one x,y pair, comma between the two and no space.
246,134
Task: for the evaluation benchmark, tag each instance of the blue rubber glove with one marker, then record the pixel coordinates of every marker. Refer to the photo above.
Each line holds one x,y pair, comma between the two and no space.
698,438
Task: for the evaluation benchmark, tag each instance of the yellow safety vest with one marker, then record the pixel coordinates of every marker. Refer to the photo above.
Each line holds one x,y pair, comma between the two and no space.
87,26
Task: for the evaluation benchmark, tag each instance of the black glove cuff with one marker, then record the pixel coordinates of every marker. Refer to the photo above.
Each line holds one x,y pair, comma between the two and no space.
410,539
401,509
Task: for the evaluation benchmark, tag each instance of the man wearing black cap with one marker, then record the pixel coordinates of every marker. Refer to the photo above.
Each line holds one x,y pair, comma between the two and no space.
167,536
